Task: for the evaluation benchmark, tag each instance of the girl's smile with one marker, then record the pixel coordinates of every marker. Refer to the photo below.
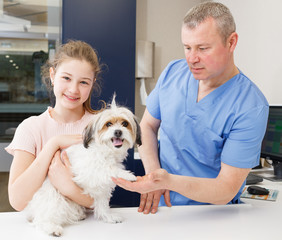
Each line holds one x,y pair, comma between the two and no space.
71,98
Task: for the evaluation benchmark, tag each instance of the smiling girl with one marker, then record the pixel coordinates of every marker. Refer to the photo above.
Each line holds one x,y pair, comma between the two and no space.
71,78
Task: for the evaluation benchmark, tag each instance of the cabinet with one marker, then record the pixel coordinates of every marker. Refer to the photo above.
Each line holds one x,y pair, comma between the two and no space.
109,27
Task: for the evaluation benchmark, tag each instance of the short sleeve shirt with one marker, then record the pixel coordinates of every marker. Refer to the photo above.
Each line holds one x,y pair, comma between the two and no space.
226,126
34,132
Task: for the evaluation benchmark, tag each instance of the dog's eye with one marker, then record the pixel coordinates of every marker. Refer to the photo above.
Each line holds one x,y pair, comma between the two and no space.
125,123
108,124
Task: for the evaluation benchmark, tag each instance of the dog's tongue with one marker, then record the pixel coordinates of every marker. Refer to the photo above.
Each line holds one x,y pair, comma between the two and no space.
117,142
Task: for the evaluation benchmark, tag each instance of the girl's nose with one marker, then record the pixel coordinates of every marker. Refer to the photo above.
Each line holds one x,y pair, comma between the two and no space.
73,87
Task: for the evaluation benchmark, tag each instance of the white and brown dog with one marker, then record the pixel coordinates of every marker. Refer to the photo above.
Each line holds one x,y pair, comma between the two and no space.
105,143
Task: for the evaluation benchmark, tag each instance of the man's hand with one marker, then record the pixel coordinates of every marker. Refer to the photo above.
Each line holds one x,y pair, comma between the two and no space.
149,202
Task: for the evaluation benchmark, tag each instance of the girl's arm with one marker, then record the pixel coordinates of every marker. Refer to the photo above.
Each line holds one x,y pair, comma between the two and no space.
28,172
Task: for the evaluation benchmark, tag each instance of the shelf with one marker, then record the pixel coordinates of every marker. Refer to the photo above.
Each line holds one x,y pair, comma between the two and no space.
23,107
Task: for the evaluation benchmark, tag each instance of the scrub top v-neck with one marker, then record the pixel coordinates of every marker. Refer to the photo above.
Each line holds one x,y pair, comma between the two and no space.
195,137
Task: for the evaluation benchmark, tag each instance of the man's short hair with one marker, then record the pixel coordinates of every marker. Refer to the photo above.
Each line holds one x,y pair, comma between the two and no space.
219,12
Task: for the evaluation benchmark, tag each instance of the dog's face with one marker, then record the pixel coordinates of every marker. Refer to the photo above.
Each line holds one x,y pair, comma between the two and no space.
115,127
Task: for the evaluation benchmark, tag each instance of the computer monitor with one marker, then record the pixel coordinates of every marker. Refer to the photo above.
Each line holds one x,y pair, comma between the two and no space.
272,142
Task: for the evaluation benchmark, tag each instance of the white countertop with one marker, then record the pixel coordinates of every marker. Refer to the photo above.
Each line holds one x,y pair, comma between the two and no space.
257,219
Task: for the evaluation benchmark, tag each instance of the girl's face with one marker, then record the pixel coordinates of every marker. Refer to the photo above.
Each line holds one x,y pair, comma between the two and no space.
72,83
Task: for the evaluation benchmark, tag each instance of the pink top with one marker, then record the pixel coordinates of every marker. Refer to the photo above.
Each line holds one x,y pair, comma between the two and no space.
34,132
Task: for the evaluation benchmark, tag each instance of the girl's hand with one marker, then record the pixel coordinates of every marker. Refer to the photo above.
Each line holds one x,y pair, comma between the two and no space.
60,174
64,141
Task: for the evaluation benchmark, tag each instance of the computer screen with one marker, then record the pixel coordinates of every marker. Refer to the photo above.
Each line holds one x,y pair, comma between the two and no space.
272,142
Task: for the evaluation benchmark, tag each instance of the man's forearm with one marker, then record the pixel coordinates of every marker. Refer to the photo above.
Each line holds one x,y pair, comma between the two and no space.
205,190
219,190
149,151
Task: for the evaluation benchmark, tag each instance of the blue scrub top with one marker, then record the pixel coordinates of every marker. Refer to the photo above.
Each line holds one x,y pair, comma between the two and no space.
227,125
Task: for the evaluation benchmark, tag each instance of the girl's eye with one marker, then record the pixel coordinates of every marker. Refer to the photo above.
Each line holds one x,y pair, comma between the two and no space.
84,83
125,123
66,78
108,124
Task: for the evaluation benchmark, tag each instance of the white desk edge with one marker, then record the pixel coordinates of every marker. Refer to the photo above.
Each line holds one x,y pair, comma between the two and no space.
256,219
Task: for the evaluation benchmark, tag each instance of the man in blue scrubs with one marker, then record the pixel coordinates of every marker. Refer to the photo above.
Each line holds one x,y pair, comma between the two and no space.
211,120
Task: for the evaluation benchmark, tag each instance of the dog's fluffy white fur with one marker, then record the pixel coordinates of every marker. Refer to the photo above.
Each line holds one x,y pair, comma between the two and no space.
106,140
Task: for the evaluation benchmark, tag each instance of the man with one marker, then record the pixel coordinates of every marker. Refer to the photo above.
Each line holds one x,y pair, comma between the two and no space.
211,120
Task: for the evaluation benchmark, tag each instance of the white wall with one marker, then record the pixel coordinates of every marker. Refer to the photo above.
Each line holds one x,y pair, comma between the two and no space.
160,21
259,52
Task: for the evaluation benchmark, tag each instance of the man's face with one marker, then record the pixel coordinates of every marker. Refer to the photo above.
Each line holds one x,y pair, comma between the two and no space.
206,54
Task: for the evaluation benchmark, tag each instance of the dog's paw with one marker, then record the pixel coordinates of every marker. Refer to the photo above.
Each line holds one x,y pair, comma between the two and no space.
52,229
112,218
82,216
29,218
127,176
57,232
131,178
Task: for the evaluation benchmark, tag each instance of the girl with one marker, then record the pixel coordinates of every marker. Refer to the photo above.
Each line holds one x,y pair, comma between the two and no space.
37,142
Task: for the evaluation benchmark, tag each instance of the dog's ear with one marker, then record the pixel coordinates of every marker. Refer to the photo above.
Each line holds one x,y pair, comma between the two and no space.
88,135
138,134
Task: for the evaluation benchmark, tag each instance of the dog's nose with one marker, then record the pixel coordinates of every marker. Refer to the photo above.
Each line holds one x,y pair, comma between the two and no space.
118,133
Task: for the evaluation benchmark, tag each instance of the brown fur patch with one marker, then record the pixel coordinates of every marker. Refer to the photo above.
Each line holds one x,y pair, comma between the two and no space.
116,120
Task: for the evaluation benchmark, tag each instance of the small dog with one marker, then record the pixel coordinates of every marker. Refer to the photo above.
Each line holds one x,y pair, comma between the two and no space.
106,140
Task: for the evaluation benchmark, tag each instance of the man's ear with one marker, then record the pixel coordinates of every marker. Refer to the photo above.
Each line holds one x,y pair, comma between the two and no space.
232,41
